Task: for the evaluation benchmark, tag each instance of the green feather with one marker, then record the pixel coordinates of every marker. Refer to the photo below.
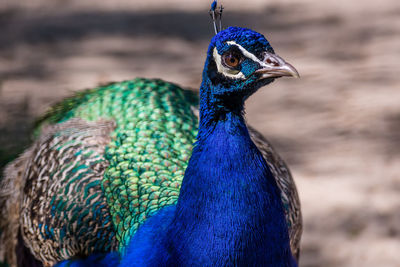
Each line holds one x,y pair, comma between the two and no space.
149,149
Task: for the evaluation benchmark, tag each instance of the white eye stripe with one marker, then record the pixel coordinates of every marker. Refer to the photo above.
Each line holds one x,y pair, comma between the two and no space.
246,53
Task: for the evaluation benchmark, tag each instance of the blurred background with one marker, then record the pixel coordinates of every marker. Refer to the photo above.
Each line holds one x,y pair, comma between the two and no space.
338,127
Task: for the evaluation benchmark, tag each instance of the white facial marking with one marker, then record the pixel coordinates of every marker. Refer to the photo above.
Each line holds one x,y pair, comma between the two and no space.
235,74
247,53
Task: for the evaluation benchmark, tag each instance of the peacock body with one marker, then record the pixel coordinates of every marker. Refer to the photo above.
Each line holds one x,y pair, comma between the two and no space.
108,159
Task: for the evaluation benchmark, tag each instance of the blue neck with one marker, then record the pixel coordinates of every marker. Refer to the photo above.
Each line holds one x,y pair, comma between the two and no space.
215,107
229,211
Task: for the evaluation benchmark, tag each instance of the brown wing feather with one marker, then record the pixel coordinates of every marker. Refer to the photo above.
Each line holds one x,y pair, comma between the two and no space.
27,191
10,199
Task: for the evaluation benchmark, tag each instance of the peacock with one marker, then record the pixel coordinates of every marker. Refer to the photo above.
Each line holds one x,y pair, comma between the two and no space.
146,173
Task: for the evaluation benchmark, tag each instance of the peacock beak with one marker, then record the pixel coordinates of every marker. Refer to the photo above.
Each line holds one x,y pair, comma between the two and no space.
274,66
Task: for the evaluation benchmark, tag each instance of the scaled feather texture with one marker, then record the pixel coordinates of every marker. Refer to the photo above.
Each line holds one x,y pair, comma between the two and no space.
108,177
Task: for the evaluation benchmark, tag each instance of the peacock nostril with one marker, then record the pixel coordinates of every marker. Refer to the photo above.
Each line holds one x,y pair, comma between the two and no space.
272,62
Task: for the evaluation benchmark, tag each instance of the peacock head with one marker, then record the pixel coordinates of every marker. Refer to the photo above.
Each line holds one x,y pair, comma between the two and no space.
239,62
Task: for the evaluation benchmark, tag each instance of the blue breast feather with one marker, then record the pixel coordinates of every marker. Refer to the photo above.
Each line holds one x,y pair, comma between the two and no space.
240,209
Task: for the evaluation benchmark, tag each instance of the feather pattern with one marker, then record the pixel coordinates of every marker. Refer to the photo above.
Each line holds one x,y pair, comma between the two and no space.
120,171
63,208
11,183
111,161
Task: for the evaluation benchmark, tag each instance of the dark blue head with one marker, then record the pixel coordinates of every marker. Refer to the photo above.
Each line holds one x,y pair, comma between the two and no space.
240,61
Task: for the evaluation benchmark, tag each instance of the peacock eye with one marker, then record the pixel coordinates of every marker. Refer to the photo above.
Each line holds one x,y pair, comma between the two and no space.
231,59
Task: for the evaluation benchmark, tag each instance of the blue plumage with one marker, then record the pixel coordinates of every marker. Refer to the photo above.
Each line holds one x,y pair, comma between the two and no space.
229,211
95,260
240,208
213,5
228,208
